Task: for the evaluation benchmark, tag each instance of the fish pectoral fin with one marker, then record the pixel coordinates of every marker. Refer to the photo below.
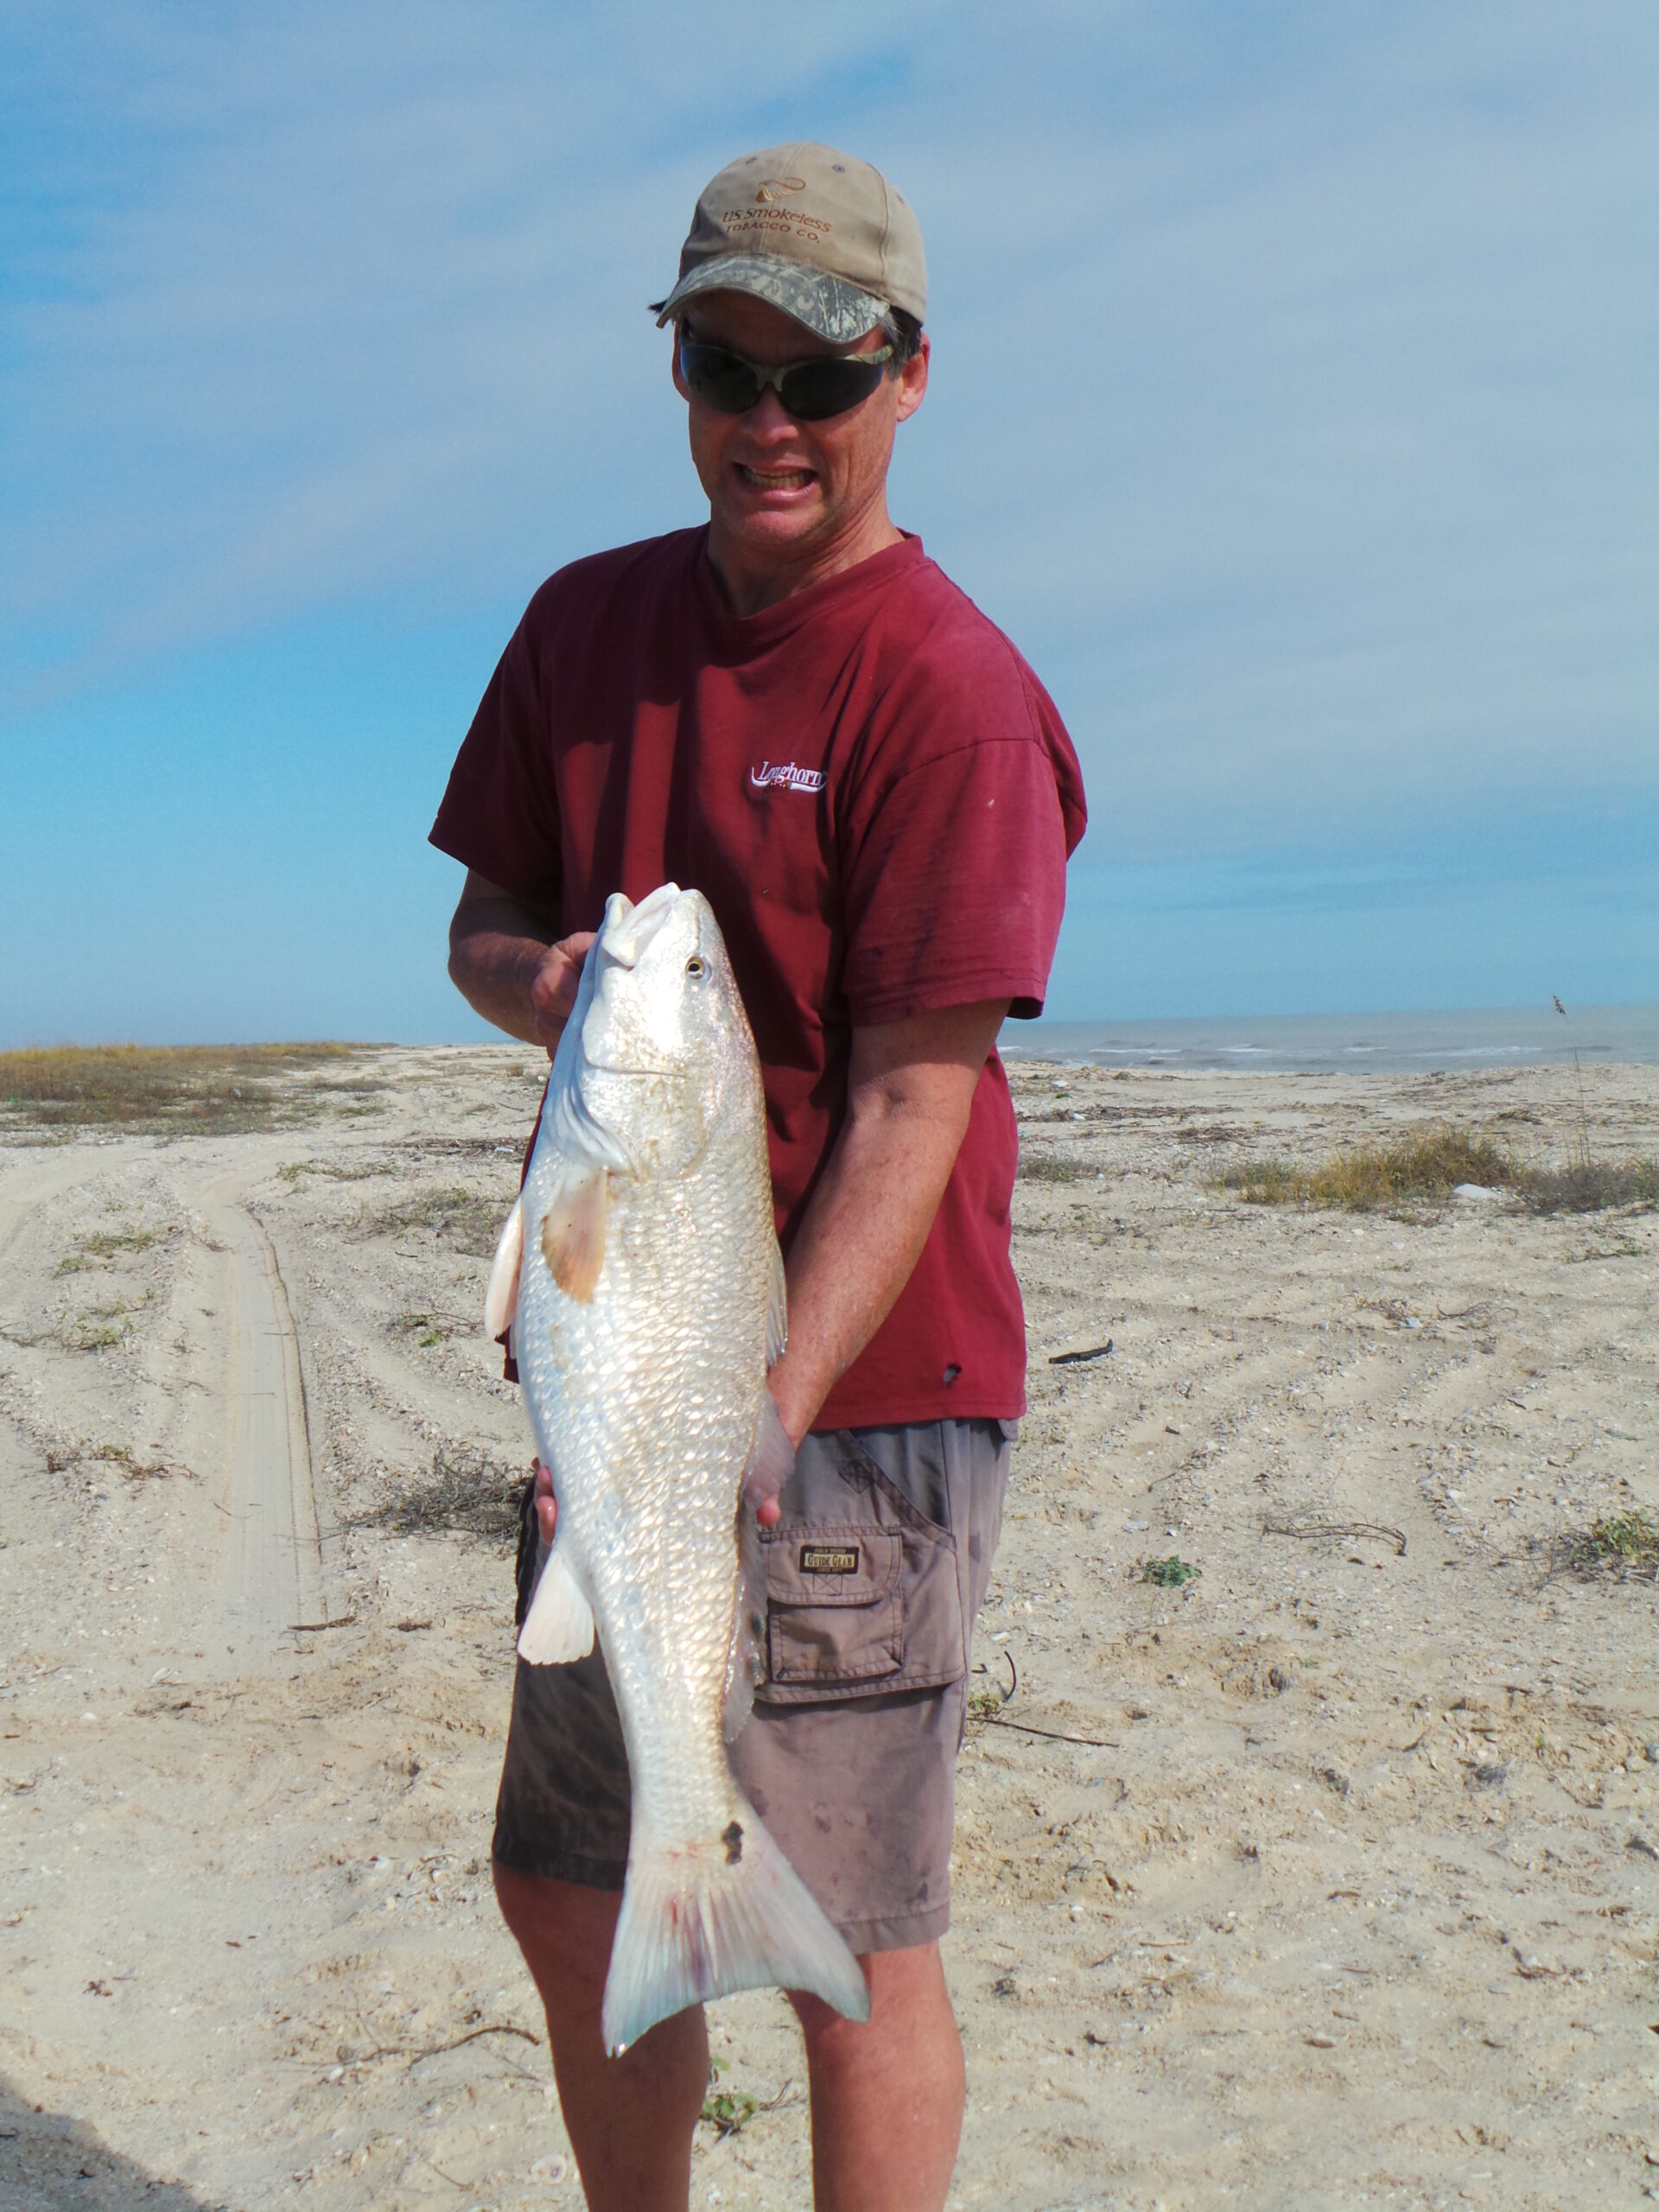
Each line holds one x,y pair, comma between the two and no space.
573,1232
559,1626
501,1299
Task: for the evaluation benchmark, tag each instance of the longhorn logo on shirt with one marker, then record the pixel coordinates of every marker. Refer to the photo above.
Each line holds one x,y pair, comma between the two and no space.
786,774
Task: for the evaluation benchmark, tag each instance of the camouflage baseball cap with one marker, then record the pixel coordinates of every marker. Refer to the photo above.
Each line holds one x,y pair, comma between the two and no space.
809,230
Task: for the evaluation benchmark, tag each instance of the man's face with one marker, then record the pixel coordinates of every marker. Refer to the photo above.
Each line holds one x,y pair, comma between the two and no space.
782,494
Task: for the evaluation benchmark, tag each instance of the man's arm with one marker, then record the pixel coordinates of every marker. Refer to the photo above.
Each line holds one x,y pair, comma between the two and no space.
910,1090
505,962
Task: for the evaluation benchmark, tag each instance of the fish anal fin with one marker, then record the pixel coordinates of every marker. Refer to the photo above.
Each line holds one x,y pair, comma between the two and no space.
744,1664
572,1233
777,1312
559,1625
726,1912
501,1299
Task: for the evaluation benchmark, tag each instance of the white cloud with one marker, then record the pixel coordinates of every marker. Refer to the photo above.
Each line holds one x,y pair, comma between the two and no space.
1292,399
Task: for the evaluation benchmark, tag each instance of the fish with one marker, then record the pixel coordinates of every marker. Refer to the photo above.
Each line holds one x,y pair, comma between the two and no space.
640,1276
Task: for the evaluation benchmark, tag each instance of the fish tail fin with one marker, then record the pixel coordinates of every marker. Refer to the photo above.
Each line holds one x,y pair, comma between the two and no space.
700,1920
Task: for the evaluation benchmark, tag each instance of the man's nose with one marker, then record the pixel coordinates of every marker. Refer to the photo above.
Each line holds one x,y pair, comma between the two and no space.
768,415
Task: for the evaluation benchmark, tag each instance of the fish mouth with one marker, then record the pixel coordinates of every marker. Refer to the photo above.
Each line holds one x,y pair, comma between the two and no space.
624,937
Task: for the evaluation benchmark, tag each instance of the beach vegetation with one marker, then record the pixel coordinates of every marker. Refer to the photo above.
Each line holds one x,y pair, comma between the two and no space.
104,1244
1168,1574
1620,1544
1049,1167
175,1091
466,1221
466,1491
728,2111
1428,1166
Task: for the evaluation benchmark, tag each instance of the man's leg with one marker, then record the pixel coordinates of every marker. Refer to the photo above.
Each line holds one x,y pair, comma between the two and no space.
630,2119
887,2097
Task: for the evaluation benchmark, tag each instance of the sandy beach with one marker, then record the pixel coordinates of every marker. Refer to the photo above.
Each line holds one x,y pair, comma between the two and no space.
1328,1877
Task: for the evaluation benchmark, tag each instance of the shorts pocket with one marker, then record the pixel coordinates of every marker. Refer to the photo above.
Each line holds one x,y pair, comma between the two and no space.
835,1608
861,1588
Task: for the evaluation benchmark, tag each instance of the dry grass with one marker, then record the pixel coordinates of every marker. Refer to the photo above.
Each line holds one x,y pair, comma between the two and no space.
463,1219
1427,1167
1050,1167
467,1490
185,1091
1372,1178
1592,1186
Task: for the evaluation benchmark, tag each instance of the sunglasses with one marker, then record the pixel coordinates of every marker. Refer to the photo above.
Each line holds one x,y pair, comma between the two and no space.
812,391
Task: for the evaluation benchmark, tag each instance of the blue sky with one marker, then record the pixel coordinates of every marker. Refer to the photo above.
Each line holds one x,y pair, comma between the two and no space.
1293,409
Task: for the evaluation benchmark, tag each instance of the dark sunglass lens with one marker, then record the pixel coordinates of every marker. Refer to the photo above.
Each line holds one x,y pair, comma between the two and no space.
816,390
720,379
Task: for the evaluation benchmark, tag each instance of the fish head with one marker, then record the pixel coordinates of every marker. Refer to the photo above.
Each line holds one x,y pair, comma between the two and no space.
666,1043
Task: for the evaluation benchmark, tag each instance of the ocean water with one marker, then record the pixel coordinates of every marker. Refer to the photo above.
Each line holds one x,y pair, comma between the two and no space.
1331,1043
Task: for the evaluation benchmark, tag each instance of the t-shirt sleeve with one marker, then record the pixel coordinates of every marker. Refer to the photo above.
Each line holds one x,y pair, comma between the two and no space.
500,813
955,872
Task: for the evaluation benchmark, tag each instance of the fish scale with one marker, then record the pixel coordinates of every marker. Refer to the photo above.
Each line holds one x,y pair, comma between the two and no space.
641,1274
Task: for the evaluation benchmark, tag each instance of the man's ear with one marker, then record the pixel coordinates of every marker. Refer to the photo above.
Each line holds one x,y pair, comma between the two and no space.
912,380
674,367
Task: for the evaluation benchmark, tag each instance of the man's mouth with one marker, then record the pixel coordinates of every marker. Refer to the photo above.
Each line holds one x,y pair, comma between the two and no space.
775,479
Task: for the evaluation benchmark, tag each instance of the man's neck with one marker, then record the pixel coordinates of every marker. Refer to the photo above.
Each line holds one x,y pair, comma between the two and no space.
750,585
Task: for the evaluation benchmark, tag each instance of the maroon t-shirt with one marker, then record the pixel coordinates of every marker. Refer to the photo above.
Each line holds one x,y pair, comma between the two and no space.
876,797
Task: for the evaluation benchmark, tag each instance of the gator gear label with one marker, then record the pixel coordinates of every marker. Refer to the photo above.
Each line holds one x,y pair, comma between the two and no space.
829,1559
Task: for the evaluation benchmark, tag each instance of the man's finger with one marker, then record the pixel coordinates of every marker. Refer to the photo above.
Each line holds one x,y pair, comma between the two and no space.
547,1506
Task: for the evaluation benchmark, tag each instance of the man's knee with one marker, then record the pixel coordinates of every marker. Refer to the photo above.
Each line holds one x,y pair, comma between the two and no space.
563,1929
907,1992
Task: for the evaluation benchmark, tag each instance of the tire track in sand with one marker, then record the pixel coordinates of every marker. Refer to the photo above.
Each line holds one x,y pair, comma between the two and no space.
271,1562
28,1187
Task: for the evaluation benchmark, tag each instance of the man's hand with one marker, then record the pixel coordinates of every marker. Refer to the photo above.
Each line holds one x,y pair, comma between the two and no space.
553,987
769,1465
506,964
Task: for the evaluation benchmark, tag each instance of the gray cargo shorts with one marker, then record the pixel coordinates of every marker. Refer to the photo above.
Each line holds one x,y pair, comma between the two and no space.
873,1577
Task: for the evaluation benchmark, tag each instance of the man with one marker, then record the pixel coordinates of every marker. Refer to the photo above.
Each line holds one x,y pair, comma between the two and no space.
793,710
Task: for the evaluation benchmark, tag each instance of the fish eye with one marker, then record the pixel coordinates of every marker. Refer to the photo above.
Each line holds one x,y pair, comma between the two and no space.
695,965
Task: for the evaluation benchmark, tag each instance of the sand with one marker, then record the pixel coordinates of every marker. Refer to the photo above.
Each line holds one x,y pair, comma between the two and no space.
1349,1895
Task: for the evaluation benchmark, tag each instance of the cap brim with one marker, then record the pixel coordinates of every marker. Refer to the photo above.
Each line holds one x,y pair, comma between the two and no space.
824,303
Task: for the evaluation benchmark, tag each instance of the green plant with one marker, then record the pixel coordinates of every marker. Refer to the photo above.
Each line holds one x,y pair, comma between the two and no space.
1168,1573
1621,1543
728,2111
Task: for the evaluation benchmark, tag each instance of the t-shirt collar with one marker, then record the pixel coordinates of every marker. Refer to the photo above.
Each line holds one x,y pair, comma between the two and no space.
747,633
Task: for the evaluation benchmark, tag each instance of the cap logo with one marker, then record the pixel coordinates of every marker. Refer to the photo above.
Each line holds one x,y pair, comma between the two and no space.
766,191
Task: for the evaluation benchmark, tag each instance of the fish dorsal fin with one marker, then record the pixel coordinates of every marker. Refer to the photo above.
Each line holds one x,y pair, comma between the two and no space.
777,1312
501,1299
559,1625
573,1232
